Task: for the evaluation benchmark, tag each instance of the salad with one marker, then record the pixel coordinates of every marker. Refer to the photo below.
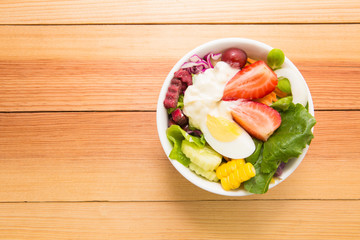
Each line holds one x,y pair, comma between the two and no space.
237,120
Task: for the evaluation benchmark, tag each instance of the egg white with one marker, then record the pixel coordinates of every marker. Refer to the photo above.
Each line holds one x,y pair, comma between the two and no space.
243,146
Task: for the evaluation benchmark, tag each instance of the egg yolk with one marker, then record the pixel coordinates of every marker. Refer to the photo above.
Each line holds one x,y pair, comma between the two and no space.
222,129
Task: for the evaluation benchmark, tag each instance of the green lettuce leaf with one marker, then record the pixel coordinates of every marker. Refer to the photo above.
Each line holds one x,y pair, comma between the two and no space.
282,104
289,139
260,183
255,155
176,135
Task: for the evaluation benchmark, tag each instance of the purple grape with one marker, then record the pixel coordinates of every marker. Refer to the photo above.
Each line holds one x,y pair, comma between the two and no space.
235,57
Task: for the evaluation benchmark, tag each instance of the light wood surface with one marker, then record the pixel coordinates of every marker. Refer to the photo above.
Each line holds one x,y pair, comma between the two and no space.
182,220
79,153
178,11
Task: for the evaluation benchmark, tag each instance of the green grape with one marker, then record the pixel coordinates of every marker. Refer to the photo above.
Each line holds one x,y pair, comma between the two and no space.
275,58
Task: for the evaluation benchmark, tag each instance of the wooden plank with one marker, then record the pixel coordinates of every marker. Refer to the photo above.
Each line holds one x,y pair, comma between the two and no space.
201,11
182,220
79,85
118,157
107,67
316,44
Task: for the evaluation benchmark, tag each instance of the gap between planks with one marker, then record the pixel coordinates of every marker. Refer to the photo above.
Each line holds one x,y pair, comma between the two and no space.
184,201
120,111
169,23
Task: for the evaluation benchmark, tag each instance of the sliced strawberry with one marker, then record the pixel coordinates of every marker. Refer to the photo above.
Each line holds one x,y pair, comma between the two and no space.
253,81
257,119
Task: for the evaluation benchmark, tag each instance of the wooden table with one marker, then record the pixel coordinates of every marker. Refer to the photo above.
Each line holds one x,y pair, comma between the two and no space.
79,153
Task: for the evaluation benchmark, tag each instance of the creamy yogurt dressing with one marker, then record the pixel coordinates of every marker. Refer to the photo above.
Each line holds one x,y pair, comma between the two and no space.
203,97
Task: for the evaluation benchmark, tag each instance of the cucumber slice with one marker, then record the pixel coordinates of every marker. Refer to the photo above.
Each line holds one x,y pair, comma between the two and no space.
205,157
209,175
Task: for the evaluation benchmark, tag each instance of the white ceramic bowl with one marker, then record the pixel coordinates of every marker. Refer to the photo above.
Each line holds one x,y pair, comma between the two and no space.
254,49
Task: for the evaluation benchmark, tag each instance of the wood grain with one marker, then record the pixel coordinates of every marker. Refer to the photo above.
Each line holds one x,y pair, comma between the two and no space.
182,220
118,157
155,11
75,68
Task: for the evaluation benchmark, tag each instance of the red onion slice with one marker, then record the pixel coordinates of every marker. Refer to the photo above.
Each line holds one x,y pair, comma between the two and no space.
196,64
195,58
213,56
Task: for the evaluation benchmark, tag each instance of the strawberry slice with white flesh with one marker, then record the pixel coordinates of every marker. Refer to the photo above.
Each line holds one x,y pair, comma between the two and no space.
254,81
258,119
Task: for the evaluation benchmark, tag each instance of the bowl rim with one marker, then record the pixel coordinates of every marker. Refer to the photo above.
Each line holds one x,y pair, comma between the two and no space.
161,128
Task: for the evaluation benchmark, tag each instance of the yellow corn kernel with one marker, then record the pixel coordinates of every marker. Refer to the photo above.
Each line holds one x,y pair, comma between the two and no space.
231,177
225,169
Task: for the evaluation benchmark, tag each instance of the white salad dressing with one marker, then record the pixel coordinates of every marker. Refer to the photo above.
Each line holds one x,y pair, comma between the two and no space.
203,97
